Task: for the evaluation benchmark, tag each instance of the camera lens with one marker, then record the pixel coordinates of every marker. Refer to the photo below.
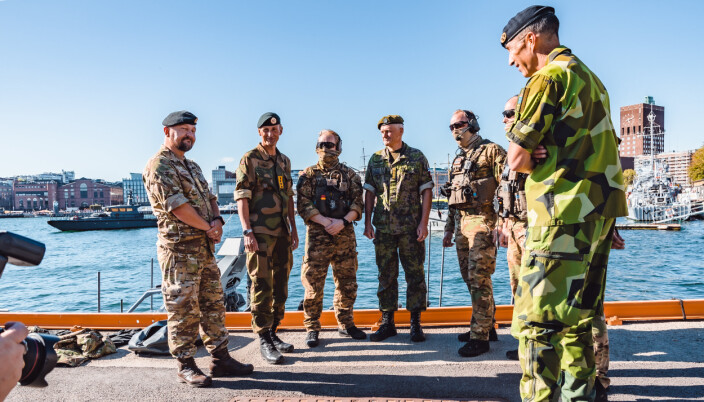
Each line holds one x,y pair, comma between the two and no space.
39,360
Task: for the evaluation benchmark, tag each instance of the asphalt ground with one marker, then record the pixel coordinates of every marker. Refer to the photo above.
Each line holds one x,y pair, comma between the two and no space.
649,361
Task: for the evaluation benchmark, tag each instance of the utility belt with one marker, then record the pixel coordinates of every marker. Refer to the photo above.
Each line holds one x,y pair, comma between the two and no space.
472,193
332,196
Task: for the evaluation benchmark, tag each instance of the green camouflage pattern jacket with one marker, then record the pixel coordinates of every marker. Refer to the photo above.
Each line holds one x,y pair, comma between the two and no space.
266,181
397,187
565,107
306,190
171,182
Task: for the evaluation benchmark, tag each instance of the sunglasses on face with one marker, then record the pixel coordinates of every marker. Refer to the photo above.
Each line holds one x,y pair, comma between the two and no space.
509,113
327,145
459,124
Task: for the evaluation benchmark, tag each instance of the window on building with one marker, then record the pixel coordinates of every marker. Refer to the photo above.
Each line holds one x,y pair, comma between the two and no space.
84,190
628,130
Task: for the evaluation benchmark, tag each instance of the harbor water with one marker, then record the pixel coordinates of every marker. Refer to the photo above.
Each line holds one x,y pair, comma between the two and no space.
656,265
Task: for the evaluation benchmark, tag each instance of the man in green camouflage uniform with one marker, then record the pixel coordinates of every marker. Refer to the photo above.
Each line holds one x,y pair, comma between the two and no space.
264,197
573,197
398,181
329,200
189,226
474,176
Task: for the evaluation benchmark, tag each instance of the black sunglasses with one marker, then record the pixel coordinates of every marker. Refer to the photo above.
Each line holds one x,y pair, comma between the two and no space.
327,144
459,124
508,113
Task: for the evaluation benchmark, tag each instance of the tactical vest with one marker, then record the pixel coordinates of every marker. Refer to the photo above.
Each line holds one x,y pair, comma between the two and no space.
466,190
511,195
332,193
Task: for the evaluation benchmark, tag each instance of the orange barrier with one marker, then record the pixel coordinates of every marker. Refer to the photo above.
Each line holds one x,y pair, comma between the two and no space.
616,313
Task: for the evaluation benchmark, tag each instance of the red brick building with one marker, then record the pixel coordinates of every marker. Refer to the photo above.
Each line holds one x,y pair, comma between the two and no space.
34,196
635,123
83,193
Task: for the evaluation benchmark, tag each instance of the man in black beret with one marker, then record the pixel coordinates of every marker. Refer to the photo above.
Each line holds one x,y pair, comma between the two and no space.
189,226
264,194
573,194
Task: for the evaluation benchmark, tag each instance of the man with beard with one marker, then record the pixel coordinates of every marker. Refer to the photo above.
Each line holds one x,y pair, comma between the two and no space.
189,226
329,200
399,190
264,194
574,196
474,175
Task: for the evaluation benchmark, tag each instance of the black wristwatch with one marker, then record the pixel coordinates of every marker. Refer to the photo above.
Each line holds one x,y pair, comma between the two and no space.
347,223
222,221
246,232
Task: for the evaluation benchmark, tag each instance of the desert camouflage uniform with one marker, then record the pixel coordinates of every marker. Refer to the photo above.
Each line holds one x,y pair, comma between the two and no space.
452,225
515,249
323,250
191,286
477,223
573,199
398,186
266,181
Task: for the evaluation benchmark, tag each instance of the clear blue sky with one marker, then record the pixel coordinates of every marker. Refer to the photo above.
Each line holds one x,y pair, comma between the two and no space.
84,85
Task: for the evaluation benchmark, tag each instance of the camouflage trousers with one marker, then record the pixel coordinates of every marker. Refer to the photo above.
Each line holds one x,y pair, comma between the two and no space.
388,249
323,250
514,252
268,270
193,298
481,263
600,335
561,284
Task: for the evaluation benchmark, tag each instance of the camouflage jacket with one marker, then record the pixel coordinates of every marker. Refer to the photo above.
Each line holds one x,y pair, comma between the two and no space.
266,181
171,182
306,190
397,187
565,107
488,159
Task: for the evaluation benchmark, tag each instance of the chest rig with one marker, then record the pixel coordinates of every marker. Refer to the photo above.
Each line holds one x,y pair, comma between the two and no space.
332,193
511,195
464,189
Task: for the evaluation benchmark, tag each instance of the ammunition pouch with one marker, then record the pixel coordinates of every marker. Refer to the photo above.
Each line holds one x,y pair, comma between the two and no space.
511,196
332,197
473,193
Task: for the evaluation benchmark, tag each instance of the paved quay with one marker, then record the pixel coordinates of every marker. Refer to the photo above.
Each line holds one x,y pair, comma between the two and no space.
649,361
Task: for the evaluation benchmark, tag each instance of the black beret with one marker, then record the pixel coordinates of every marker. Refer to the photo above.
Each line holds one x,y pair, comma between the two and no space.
523,19
390,119
180,117
269,119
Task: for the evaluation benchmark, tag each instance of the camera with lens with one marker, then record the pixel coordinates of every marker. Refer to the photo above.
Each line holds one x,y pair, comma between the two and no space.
39,357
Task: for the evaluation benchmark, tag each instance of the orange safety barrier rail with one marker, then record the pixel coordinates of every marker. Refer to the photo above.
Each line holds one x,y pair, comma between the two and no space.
616,313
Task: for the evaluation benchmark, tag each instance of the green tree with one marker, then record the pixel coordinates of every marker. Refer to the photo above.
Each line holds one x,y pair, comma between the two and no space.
696,169
628,176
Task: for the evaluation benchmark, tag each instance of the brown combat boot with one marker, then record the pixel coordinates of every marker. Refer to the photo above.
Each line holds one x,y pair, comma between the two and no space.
223,365
189,373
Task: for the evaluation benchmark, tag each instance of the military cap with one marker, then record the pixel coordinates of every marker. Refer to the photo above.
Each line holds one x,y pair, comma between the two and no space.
390,119
269,119
180,117
521,20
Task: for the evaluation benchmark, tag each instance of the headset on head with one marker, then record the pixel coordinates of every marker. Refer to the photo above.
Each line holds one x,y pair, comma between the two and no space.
334,134
472,119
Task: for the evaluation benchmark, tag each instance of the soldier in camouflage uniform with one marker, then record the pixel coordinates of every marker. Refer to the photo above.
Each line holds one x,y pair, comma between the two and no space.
474,176
398,181
329,200
189,226
574,196
264,194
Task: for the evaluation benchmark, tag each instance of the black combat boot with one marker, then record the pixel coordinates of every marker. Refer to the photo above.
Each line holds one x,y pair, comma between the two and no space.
280,345
473,348
353,332
387,328
223,365
417,334
189,373
601,392
465,336
269,352
493,336
312,339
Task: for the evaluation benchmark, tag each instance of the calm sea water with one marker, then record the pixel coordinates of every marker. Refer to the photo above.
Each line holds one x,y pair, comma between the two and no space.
656,265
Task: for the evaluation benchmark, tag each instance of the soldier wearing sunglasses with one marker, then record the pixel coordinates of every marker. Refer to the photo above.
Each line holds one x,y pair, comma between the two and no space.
474,176
329,201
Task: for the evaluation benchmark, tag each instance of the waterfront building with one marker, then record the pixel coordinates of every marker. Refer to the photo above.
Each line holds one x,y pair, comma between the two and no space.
83,193
33,195
116,194
223,185
6,194
134,186
68,175
635,123
677,163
